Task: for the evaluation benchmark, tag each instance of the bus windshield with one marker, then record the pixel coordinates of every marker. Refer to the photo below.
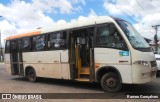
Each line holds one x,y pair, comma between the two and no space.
136,40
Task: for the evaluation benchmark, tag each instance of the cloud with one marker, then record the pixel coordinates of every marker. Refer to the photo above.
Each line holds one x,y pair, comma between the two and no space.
145,13
92,14
7,29
21,15
61,22
63,6
78,1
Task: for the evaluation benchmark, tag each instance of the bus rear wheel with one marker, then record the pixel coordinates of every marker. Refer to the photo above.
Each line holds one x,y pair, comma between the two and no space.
110,82
31,75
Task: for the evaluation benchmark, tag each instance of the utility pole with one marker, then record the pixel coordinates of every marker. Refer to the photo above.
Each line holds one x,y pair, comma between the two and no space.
1,49
1,52
156,37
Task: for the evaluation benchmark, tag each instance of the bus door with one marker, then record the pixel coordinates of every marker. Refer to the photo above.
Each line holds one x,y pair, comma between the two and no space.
90,32
16,58
81,54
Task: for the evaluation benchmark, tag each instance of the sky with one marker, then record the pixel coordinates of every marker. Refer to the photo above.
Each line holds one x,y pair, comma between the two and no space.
19,16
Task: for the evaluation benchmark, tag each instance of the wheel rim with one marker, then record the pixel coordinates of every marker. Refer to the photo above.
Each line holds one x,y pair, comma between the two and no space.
111,82
31,75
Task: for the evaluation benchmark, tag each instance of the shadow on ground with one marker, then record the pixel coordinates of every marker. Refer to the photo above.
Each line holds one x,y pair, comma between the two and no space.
127,88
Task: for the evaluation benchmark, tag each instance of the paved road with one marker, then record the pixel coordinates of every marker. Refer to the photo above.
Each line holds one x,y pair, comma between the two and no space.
15,84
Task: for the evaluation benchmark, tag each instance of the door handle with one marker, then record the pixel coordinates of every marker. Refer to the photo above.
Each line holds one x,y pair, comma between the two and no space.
123,61
56,61
39,61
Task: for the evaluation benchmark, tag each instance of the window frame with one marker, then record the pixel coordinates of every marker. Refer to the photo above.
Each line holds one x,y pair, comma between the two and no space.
31,39
30,46
108,24
66,40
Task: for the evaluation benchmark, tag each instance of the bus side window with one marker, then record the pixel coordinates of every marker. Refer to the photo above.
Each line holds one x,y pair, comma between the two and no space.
57,40
39,43
109,37
26,44
7,48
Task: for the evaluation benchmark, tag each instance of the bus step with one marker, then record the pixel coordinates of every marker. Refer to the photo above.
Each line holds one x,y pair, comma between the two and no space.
84,70
82,79
84,75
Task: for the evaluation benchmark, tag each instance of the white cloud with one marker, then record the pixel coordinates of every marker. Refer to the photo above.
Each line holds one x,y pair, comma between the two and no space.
7,29
145,13
145,30
24,16
78,1
64,6
20,16
61,22
92,14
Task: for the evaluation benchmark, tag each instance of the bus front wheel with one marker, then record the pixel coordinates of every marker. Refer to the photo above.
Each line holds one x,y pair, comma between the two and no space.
110,82
32,75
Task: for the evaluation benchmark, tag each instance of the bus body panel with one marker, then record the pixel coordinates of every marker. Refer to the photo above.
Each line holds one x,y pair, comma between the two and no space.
8,64
142,73
49,63
111,57
65,67
138,55
81,24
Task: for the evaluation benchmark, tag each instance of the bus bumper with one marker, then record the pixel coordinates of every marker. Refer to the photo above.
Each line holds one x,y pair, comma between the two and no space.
143,74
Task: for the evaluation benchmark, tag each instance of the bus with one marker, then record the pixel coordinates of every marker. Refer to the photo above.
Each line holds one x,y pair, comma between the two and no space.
105,50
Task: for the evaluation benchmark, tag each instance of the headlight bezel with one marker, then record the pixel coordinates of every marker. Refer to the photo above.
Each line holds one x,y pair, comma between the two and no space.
144,63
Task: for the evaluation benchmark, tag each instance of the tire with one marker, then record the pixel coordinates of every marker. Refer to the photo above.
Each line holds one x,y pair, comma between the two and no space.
31,75
111,82
158,74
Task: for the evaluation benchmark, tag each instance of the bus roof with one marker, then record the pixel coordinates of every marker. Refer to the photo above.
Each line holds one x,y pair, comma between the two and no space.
78,24
23,35
72,25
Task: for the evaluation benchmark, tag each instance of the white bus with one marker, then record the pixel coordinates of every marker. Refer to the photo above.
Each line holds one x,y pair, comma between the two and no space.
105,50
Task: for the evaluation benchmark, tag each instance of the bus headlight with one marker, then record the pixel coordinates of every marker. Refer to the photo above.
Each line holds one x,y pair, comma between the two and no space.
145,63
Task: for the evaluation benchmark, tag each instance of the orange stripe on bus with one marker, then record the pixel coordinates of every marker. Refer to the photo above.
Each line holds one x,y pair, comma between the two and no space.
23,35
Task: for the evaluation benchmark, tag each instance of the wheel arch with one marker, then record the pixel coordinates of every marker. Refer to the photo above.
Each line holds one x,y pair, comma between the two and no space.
27,68
105,69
